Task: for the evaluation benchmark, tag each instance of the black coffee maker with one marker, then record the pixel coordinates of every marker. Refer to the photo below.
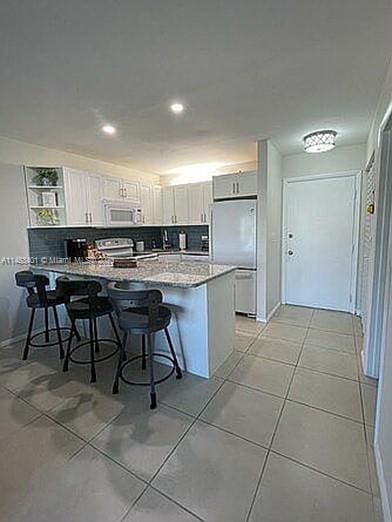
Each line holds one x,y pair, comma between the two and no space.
76,250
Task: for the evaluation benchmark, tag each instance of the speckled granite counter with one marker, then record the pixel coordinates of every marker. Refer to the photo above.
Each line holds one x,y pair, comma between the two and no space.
150,271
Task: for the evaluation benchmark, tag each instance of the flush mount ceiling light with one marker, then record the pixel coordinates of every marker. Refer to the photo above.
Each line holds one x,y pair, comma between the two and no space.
177,107
109,129
320,141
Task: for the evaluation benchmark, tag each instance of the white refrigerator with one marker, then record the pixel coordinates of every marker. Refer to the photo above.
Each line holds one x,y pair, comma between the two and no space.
233,242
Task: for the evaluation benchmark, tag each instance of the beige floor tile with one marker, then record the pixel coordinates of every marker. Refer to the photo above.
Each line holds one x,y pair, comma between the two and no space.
152,506
228,366
286,332
295,315
140,439
330,393
369,397
248,325
93,488
189,394
338,322
378,514
87,412
14,413
28,457
290,492
263,374
341,364
212,473
330,444
362,377
334,341
248,413
372,464
357,326
243,341
276,349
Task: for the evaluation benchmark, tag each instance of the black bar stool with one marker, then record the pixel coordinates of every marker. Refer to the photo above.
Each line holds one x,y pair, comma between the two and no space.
140,312
89,306
40,298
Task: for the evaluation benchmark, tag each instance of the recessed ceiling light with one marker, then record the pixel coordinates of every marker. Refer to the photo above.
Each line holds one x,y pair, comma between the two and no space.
177,107
320,141
109,129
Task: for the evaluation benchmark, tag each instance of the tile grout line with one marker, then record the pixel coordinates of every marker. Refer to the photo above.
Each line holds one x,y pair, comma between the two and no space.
258,484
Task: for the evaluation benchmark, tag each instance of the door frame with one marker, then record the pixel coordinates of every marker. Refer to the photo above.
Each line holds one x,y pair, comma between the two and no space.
356,174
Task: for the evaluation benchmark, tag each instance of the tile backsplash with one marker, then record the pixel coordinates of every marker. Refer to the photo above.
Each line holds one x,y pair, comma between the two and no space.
49,242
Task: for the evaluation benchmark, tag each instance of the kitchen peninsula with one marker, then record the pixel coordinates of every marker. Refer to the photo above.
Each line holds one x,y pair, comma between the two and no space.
201,296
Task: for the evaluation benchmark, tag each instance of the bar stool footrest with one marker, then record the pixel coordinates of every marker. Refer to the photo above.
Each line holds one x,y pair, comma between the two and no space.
147,383
51,343
98,359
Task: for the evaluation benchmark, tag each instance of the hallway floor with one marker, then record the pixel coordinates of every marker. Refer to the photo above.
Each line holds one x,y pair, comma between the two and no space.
282,433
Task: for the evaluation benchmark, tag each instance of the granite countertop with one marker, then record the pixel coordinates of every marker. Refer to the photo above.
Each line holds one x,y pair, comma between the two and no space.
149,271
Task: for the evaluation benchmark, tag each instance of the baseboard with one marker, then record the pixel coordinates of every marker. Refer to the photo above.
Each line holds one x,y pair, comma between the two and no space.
271,314
386,508
16,339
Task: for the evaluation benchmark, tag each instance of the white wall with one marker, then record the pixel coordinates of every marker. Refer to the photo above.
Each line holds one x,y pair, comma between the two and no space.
14,243
20,153
269,227
339,159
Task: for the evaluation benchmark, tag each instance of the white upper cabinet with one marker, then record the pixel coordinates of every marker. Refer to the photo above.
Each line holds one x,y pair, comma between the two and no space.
242,184
130,190
200,197
146,204
94,199
157,204
181,205
83,194
168,205
76,197
112,188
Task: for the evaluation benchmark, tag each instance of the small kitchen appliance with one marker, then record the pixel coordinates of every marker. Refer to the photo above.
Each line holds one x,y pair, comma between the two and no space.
76,250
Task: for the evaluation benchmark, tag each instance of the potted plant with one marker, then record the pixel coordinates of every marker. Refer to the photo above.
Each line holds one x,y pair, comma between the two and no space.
46,176
48,216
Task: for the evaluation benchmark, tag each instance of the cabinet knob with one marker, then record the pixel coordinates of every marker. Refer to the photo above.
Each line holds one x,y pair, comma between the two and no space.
290,252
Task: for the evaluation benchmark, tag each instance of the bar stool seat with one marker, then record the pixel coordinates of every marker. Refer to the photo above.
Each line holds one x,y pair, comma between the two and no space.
136,322
34,301
81,309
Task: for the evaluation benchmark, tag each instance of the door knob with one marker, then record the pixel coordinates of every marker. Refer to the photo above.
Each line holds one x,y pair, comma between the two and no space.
290,236
290,252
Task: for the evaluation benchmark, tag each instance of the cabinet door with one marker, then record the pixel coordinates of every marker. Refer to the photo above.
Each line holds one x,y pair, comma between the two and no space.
76,197
224,186
146,203
131,190
157,205
207,200
247,184
196,203
181,205
112,188
168,205
94,191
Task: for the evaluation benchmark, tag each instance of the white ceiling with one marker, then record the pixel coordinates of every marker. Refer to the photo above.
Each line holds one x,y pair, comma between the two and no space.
245,70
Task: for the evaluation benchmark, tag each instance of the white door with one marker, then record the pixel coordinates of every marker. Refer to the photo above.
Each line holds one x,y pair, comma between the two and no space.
181,204
168,205
112,188
319,241
224,186
157,204
207,200
247,184
131,190
95,207
146,203
76,197
196,204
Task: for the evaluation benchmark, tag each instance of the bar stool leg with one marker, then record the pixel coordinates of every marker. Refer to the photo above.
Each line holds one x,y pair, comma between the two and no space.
143,352
173,353
66,360
46,309
56,320
96,335
27,345
92,352
120,360
153,395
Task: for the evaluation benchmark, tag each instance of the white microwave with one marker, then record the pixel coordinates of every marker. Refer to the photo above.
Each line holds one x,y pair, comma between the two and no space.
122,213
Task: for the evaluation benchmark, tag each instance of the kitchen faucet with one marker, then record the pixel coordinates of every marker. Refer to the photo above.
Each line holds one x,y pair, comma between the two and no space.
165,240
